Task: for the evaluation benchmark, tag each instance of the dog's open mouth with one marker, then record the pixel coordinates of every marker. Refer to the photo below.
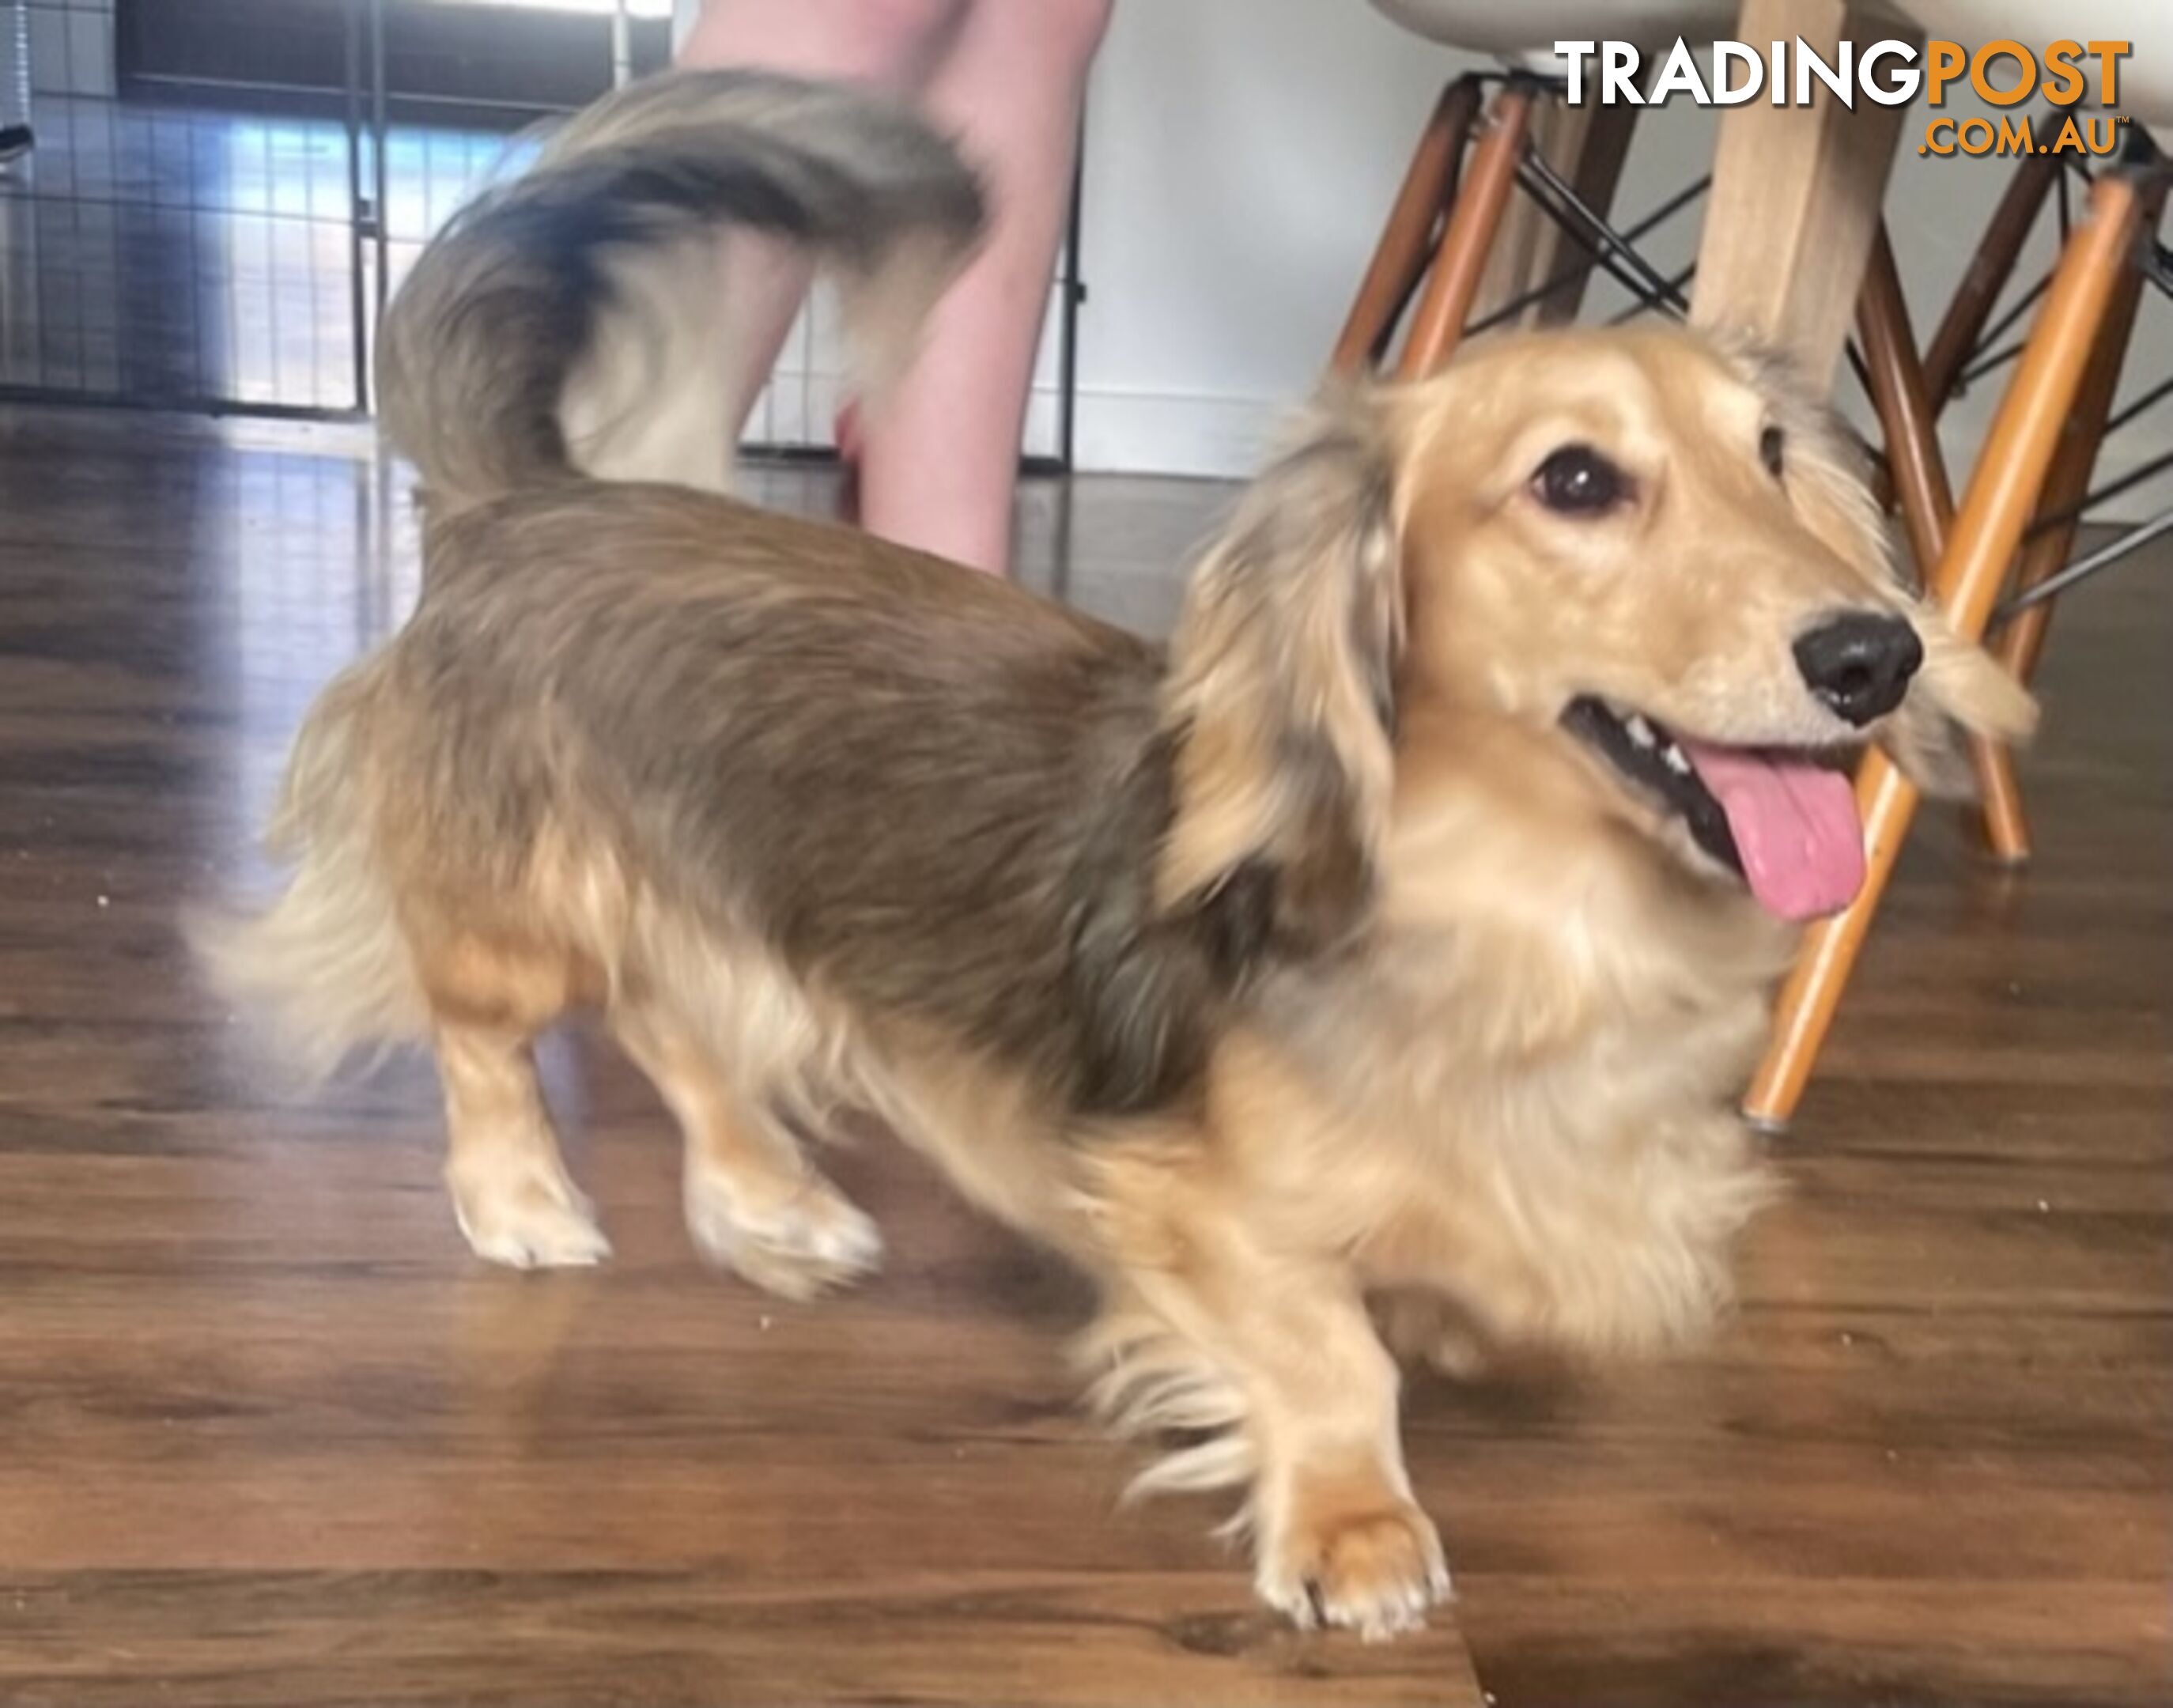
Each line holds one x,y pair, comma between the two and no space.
1782,821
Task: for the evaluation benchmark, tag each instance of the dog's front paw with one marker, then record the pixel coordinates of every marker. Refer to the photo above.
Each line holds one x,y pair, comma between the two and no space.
800,1246
1373,1572
527,1217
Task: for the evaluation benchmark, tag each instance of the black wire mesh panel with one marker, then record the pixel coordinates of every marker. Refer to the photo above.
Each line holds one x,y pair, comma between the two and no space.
179,241
166,252
159,254
204,246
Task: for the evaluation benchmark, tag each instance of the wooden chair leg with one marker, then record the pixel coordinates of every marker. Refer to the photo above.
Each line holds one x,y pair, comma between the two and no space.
1989,270
1488,177
2002,494
1796,193
1400,260
1602,137
2006,824
1907,414
1587,145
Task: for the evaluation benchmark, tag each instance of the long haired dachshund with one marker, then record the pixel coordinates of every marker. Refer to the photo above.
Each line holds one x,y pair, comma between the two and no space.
1367,973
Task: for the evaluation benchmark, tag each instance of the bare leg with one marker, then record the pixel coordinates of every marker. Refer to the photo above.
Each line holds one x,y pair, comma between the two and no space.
893,44
516,1202
941,457
753,1202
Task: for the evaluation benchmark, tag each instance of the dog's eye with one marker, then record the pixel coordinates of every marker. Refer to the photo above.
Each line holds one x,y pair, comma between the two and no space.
1577,481
1770,443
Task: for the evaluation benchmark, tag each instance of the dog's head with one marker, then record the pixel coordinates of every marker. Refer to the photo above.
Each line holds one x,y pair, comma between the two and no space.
1650,546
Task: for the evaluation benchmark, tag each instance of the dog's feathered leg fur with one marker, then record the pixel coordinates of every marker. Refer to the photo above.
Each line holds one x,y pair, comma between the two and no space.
1266,1350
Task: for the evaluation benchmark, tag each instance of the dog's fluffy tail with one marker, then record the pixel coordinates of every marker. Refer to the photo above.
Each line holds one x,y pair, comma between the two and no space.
570,319
325,966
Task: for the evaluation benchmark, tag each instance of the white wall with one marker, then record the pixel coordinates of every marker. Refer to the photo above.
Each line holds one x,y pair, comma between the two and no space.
1241,154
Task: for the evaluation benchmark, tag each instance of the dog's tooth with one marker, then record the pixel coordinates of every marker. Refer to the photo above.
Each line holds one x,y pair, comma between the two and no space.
1640,732
1675,760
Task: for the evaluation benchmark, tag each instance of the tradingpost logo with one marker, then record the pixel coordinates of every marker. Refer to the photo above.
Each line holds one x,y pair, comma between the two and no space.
2004,74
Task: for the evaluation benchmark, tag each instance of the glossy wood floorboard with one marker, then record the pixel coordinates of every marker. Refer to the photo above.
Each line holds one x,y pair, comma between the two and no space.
268,1436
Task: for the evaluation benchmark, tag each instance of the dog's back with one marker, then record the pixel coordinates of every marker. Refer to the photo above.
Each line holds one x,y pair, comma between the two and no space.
888,775
886,769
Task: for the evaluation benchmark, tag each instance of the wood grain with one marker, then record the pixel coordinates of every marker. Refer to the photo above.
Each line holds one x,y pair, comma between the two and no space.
268,1437
1796,194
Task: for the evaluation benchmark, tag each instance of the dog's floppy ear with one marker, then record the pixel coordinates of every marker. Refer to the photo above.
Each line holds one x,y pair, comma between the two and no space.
1281,697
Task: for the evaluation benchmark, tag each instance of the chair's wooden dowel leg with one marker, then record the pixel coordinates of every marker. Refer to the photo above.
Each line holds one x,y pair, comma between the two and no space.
1804,1011
1488,177
1918,472
1400,257
1587,146
2010,472
1989,269
1904,406
2019,643
1601,154
1972,305
2002,492
1999,799
2073,463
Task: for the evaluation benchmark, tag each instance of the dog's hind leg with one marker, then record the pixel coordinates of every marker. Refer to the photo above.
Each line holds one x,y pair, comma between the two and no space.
754,1203
489,995
516,1202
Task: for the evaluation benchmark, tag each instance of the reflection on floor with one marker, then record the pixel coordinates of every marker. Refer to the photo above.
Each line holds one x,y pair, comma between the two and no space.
166,253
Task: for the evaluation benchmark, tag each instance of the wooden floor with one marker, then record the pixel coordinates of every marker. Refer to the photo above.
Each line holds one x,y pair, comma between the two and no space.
268,1437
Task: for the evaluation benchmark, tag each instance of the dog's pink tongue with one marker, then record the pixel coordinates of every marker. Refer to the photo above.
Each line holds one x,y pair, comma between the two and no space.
1795,825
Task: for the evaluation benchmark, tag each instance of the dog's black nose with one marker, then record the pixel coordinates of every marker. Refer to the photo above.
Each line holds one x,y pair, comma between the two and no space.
1860,664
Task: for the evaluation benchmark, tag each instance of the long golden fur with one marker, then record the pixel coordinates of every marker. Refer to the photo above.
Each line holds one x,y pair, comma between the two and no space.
1311,980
